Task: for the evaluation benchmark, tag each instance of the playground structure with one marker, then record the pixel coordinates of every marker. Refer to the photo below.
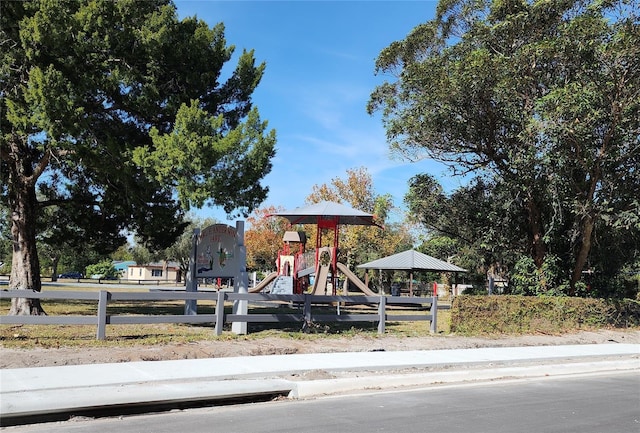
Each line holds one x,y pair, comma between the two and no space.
298,266
218,251
291,268
294,268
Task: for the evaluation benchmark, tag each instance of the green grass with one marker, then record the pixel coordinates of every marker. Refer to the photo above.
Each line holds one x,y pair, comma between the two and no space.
53,336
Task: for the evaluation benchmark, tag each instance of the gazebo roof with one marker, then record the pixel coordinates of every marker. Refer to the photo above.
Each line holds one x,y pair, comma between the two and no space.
412,260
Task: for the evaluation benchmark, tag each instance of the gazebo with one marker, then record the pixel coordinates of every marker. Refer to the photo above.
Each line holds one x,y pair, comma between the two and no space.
412,260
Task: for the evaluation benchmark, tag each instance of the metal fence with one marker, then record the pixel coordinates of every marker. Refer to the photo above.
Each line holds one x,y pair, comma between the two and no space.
305,309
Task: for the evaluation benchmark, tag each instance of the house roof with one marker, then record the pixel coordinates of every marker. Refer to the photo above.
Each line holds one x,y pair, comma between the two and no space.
157,265
120,265
412,260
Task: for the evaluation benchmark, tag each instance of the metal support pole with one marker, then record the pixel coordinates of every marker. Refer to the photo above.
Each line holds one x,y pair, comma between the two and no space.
191,305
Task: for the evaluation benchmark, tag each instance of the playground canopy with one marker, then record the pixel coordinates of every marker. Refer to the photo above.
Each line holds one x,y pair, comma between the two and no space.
337,213
412,260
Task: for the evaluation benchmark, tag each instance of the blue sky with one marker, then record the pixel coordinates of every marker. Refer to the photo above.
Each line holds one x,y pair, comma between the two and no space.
320,58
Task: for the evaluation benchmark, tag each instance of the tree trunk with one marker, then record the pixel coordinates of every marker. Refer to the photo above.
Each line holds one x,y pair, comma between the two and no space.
54,267
536,234
583,250
25,266
587,222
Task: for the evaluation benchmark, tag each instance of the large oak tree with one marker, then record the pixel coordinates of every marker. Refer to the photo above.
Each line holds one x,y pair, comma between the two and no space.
542,97
119,113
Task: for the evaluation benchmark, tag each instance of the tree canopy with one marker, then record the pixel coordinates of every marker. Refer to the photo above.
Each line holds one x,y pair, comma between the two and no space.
539,97
477,224
264,238
120,113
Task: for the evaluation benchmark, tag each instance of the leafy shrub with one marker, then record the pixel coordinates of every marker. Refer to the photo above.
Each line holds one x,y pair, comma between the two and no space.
548,314
475,290
526,279
104,268
5,269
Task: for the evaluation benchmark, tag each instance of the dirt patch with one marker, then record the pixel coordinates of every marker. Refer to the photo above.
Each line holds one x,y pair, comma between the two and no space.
19,358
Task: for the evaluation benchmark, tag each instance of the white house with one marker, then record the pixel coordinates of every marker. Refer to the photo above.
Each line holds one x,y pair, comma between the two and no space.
160,271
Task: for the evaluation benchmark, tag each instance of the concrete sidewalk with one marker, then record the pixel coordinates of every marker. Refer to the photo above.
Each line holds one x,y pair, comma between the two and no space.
28,392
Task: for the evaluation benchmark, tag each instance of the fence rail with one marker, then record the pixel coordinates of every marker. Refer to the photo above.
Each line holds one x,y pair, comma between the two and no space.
304,302
116,281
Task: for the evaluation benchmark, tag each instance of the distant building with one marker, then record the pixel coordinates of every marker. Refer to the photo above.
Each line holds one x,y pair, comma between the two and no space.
123,266
160,271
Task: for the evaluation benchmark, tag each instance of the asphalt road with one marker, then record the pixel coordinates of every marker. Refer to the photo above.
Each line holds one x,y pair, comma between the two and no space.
584,404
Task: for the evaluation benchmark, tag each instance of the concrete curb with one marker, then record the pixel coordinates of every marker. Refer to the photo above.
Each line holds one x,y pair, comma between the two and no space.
28,392
52,401
316,388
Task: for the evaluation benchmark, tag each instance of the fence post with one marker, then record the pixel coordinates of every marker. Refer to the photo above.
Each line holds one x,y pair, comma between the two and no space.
382,307
306,312
434,315
103,298
241,280
220,312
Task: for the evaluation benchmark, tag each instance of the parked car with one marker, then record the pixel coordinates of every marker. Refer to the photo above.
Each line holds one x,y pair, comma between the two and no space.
103,277
72,275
